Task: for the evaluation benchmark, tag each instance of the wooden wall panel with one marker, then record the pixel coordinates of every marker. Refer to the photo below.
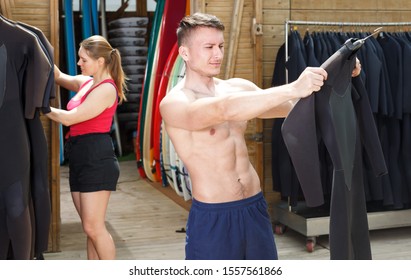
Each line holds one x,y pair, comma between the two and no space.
275,13
373,5
223,10
333,5
35,13
54,138
275,5
351,16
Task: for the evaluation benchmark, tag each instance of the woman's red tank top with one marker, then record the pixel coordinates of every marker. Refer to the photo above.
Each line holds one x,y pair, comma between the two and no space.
99,124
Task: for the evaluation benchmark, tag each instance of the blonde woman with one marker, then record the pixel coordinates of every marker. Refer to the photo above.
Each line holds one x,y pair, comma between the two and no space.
94,169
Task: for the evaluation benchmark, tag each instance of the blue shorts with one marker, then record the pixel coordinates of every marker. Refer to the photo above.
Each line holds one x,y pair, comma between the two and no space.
238,230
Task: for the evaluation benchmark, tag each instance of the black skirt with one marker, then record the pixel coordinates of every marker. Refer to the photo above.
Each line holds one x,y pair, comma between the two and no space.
92,162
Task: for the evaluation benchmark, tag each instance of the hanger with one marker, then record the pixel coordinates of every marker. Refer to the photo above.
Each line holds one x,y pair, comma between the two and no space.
355,44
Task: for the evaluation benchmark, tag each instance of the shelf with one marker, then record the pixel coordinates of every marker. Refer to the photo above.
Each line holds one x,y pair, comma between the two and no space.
316,226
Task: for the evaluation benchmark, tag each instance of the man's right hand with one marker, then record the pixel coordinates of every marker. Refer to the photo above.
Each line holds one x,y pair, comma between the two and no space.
309,81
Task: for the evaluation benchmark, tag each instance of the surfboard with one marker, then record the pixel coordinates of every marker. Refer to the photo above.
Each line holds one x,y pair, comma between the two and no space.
95,29
71,53
164,87
167,158
164,158
147,151
165,154
70,42
173,12
175,178
185,176
162,91
86,25
161,149
152,44
178,165
171,165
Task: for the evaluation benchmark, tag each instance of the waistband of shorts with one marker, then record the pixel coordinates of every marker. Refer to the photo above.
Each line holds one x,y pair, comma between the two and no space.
228,205
88,135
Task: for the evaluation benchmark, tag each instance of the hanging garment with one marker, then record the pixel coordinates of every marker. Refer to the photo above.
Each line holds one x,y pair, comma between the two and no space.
40,191
25,80
50,91
340,115
393,54
284,178
378,189
405,157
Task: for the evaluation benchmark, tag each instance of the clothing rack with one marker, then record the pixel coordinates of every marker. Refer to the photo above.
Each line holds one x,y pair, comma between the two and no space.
286,216
331,23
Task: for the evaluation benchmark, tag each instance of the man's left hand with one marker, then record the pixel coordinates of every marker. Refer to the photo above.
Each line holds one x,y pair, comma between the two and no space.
357,69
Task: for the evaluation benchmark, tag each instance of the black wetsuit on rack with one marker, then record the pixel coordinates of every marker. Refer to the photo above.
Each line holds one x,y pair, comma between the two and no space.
40,191
24,72
341,117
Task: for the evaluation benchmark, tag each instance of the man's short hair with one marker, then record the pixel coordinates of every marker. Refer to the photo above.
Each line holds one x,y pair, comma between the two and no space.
191,22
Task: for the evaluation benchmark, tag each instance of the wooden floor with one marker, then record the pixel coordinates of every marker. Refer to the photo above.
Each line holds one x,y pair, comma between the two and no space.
145,221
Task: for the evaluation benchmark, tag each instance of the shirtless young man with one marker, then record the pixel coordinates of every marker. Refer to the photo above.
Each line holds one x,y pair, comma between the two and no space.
205,118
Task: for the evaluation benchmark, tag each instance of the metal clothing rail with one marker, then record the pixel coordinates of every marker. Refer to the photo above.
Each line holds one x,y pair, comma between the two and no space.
286,216
331,23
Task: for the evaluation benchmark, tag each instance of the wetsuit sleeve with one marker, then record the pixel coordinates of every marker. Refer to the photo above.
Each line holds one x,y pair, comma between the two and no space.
36,78
367,126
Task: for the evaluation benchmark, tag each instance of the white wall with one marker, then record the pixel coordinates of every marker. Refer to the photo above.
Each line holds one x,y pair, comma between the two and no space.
151,5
